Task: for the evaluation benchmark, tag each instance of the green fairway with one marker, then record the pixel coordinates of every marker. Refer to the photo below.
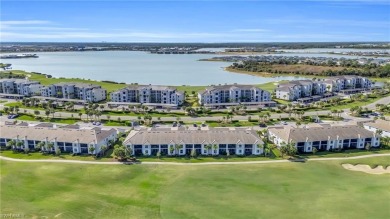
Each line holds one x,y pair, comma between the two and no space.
284,190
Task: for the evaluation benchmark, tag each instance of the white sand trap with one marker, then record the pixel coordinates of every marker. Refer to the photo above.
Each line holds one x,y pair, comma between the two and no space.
367,169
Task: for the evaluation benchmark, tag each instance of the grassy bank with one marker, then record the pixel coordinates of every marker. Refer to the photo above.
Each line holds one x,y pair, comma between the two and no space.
305,190
309,76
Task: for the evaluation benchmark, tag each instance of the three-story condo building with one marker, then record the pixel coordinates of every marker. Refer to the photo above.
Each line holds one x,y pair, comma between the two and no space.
23,87
347,82
86,92
225,95
153,95
206,142
66,139
323,138
294,90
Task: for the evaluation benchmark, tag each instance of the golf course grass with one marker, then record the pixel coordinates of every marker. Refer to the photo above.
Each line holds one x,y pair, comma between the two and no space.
280,190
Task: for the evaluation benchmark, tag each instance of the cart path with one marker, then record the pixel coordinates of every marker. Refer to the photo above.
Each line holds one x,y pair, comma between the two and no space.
188,164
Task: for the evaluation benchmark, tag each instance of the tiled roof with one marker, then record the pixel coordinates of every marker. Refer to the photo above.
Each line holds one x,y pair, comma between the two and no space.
61,134
380,124
321,133
223,136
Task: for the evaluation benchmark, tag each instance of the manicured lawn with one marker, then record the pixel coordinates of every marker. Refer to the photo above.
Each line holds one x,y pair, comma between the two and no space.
283,190
355,103
67,156
21,106
346,153
26,117
232,124
45,81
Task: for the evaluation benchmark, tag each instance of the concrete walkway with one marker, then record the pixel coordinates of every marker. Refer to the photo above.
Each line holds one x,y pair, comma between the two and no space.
189,164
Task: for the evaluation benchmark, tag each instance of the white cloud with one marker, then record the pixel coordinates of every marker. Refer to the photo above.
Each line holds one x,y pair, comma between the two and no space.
329,22
253,30
25,22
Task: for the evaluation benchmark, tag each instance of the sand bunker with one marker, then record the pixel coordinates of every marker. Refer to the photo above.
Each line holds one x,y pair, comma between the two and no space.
367,169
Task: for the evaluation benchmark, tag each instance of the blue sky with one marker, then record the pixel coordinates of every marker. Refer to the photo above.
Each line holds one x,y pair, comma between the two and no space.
194,21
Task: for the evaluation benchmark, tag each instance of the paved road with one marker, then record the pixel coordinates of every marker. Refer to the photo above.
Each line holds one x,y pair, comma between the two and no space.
385,100
188,164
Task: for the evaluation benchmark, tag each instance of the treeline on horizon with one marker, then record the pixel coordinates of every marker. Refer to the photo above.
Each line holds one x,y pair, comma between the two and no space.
370,70
281,45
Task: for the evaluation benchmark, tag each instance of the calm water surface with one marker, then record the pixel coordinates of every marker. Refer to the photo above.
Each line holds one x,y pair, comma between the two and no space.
137,67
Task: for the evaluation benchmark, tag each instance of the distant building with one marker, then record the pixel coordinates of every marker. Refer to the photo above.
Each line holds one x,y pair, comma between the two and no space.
294,90
87,92
350,83
69,140
22,87
307,90
379,124
206,142
226,95
148,95
323,138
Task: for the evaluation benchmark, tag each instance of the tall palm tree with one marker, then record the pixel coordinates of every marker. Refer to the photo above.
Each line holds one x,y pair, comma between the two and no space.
50,146
91,149
215,147
11,144
41,146
103,149
208,147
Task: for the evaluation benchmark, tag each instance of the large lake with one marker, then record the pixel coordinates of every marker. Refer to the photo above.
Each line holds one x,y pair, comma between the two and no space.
141,67
137,67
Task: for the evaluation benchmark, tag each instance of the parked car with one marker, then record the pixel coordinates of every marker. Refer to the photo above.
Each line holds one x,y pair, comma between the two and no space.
12,116
262,125
195,125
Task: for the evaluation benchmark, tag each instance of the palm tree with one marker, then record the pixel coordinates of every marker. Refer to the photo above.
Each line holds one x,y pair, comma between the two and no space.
41,146
19,144
368,146
171,150
260,146
177,148
208,147
193,153
50,146
80,114
91,149
103,149
378,132
11,144
6,110
215,147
